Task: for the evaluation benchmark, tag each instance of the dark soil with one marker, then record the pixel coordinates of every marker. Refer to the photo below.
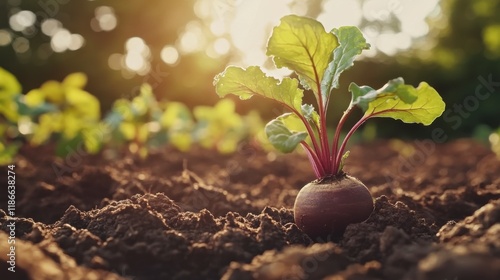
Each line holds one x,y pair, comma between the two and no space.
203,215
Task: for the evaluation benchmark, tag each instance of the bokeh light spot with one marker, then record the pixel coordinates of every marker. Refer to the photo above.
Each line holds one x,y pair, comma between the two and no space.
246,25
108,22
134,61
192,39
105,19
22,20
135,44
115,61
76,42
218,28
50,26
334,13
222,46
169,55
61,40
21,45
5,37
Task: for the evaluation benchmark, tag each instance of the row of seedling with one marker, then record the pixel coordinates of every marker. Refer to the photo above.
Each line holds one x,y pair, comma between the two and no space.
63,112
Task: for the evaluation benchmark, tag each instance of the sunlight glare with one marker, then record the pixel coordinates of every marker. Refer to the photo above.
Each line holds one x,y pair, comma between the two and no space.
222,46
413,16
335,14
218,28
247,24
193,39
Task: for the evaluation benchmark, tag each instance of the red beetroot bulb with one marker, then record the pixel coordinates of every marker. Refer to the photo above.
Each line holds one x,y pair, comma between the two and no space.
325,208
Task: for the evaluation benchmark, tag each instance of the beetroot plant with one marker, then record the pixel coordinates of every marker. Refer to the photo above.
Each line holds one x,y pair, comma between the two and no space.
334,200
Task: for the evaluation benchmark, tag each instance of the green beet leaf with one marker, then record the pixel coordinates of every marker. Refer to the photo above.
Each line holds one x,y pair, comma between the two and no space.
252,81
427,106
318,58
285,132
362,96
352,43
302,45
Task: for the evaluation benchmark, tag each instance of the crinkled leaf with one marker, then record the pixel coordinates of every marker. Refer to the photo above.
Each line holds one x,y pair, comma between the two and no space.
310,114
281,136
352,43
302,45
252,81
363,95
425,109
292,122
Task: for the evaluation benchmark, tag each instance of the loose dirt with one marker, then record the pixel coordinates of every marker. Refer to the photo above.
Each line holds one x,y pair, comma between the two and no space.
202,215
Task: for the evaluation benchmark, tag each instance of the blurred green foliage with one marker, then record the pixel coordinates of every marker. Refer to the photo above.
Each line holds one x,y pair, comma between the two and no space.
9,90
66,114
143,122
461,59
73,113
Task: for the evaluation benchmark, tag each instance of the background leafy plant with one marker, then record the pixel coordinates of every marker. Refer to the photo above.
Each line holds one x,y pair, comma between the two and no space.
65,113
221,128
10,92
143,123
71,114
